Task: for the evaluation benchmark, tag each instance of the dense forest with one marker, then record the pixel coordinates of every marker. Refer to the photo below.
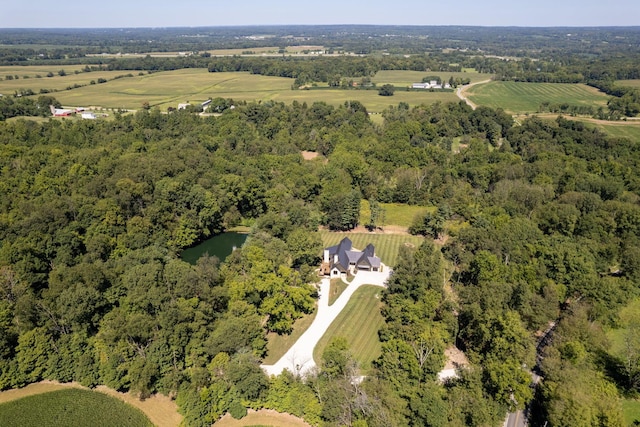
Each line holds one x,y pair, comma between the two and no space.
540,224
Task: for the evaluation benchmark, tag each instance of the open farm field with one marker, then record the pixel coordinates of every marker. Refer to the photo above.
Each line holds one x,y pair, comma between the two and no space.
262,418
167,89
520,97
60,83
387,245
358,323
632,83
68,408
406,78
33,70
369,98
17,78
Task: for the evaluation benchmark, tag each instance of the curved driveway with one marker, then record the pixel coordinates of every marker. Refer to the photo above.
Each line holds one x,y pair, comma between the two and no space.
299,358
461,93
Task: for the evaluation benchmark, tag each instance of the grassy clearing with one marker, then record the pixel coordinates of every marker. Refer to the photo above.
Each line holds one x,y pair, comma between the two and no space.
617,129
519,97
358,323
631,411
336,289
277,345
262,418
629,129
406,78
398,214
632,83
68,408
387,245
403,215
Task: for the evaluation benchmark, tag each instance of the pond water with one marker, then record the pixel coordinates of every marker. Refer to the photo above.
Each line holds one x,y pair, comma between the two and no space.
221,246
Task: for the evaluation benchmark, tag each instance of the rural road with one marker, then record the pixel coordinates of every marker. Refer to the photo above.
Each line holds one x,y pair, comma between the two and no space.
299,358
462,89
515,419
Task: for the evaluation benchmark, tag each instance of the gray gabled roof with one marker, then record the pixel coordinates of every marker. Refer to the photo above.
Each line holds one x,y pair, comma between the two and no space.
347,256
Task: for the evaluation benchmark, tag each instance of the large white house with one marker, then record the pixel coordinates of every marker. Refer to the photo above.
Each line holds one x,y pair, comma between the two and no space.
342,258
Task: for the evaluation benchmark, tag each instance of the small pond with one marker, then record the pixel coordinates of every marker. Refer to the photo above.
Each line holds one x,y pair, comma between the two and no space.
221,246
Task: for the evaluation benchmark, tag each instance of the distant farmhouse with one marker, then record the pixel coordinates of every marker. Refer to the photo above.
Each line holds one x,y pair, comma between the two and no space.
342,258
60,112
433,84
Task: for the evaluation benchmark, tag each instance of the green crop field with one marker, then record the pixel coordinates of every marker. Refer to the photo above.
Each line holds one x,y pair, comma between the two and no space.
387,245
406,78
519,97
358,323
69,408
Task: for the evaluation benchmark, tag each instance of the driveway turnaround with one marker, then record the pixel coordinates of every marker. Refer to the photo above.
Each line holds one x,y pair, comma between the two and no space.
299,358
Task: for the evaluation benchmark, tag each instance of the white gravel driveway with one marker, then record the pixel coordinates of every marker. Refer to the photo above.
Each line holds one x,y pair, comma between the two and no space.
299,358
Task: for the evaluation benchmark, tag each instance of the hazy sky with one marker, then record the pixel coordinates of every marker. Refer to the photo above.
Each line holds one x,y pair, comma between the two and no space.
175,13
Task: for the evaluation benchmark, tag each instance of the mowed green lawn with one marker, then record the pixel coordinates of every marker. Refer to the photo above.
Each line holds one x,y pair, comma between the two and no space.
70,408
169,88
386,245
520,97
405,78
358,323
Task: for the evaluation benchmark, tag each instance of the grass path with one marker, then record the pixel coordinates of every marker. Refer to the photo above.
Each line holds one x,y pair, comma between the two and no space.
161,410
